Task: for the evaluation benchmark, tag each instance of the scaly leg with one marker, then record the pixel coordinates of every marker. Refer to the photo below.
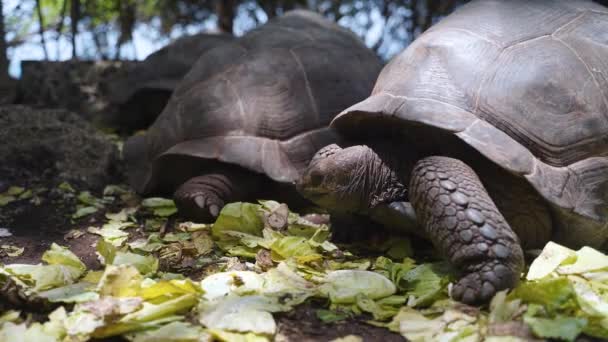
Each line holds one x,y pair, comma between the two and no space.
461,220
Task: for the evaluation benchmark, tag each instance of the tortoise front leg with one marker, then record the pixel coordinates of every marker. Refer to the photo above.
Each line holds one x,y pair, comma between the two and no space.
461,220
202,198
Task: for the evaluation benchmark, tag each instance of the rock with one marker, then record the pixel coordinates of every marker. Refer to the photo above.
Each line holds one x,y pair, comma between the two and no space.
78,86
8,91
50,146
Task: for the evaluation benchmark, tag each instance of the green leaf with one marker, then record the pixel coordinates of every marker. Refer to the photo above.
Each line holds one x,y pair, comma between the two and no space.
15,190
328,316
66,187
106,250
44,277
379,312
343,286
111,233
165,211
74,293
157,202
6,199
592,303
111,190
239,217
587,260
426,283
85,197
145,264
559,327
161,207
84,211
59,255
291,247
552,293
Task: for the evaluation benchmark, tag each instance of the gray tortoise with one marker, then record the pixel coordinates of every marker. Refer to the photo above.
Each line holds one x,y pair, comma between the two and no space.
493,125
142,93
249,116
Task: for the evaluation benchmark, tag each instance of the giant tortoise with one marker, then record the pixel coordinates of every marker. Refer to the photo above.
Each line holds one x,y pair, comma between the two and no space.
493,126
141,94
250,115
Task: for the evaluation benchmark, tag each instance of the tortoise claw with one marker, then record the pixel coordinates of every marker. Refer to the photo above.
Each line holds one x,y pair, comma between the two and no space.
214,210
200,201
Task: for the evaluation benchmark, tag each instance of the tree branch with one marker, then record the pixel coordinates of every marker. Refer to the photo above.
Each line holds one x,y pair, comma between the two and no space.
41,29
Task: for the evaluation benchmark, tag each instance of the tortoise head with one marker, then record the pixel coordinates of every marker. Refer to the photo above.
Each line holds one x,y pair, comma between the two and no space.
333,178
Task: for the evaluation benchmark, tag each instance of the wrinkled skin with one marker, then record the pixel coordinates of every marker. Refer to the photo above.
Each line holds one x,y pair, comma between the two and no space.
452,207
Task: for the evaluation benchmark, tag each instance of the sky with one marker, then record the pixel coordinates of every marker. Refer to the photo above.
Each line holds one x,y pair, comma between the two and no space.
146,40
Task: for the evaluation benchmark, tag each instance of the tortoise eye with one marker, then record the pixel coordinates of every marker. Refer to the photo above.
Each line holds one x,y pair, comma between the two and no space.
316,178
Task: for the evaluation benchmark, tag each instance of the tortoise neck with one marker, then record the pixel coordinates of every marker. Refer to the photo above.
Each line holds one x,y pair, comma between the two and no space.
382,173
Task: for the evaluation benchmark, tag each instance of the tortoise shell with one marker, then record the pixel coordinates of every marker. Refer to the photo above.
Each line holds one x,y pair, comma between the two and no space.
165,68
262,102
523,82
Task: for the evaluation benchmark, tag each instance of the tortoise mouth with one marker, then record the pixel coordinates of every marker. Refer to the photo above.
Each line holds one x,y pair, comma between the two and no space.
311,192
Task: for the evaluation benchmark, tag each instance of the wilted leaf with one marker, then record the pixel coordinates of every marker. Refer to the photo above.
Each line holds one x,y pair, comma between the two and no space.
560,327
223,283
174,331
120,281
241,314
12,251
451,325
151,312
344,286
226,336
111,233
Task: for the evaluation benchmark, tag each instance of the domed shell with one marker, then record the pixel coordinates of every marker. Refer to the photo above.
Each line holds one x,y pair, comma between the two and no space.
262,102
164,69
523,82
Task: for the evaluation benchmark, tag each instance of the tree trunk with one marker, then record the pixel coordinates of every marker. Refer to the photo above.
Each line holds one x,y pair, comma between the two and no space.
59,28
225,15
3,59
41,30
74,18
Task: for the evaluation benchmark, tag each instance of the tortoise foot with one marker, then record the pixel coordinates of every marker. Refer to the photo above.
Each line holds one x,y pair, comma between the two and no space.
197,201
480,286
